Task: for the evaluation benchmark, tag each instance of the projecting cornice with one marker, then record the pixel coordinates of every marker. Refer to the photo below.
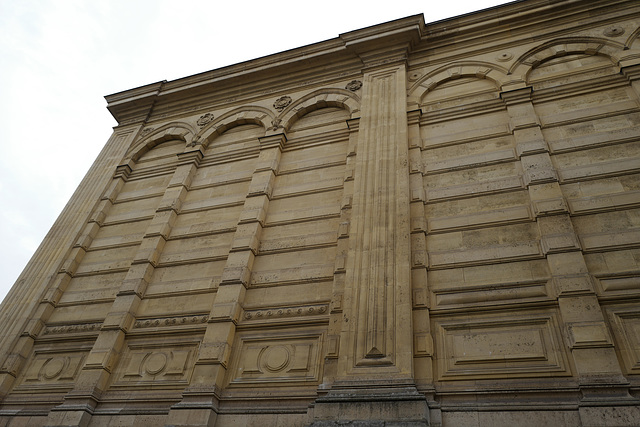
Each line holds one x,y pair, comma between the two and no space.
341,55
350,53
136,102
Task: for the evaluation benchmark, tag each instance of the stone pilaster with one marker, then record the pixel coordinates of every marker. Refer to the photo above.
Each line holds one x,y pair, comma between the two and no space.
422,337
376,341
586,334
199,404
339,275
377,298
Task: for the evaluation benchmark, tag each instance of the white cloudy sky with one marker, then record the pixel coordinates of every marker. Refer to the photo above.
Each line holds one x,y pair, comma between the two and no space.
58,58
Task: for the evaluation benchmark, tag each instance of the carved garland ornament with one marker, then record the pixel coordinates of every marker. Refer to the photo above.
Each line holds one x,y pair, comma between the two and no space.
275,313
171,321
65,329
282,103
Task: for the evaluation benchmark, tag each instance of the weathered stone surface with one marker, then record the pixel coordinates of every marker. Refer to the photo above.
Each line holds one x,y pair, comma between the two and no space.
437,225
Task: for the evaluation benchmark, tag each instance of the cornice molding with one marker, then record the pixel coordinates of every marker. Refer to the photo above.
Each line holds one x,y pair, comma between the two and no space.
136,104
346,55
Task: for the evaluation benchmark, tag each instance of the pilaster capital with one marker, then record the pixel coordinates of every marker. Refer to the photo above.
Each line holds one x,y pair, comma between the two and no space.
123,171
193,155
383,58
272,141
413,117
385,44
630,69
516,95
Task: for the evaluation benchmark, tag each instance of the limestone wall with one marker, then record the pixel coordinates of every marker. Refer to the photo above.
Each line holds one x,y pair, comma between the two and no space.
439,225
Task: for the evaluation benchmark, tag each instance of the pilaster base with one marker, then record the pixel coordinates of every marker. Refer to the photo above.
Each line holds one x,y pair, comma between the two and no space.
196,409
593,416
76,411
608,405
68,418
371,405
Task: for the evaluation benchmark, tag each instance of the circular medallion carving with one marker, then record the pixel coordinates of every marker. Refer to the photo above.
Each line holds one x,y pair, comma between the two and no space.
414,76
53,367
613,31
205,119
282,103
155,363
276,358
353,85
505,56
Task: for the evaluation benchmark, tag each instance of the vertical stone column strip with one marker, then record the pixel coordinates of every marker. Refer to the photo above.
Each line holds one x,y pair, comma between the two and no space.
586,333
422,338
374,378
23,347
377,318
94,376
339,275
199,401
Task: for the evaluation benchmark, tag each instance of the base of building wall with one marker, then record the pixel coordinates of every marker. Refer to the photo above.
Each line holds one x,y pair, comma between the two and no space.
621,416
375,405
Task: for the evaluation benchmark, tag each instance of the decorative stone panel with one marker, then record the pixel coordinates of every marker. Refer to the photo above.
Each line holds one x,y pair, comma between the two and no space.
47,370
507,347
272,360
144,365
625,322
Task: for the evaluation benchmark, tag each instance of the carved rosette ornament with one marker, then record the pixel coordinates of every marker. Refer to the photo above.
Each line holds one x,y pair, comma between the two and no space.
282,103
353,85
146,131
205,119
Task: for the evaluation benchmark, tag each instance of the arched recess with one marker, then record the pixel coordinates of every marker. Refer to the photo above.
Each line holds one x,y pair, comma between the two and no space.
190,266
299,248
243,115
480,70
171,131
562,47
125,217
319,99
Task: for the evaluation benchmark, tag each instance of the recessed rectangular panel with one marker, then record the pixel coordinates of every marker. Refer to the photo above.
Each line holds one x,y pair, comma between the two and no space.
475,347
274,360
145,365
52,370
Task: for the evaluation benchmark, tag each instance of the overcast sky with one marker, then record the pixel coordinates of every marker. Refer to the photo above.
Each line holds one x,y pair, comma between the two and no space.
58,58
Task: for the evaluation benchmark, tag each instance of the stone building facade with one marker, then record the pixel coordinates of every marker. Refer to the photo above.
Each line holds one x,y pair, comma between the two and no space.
408,224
